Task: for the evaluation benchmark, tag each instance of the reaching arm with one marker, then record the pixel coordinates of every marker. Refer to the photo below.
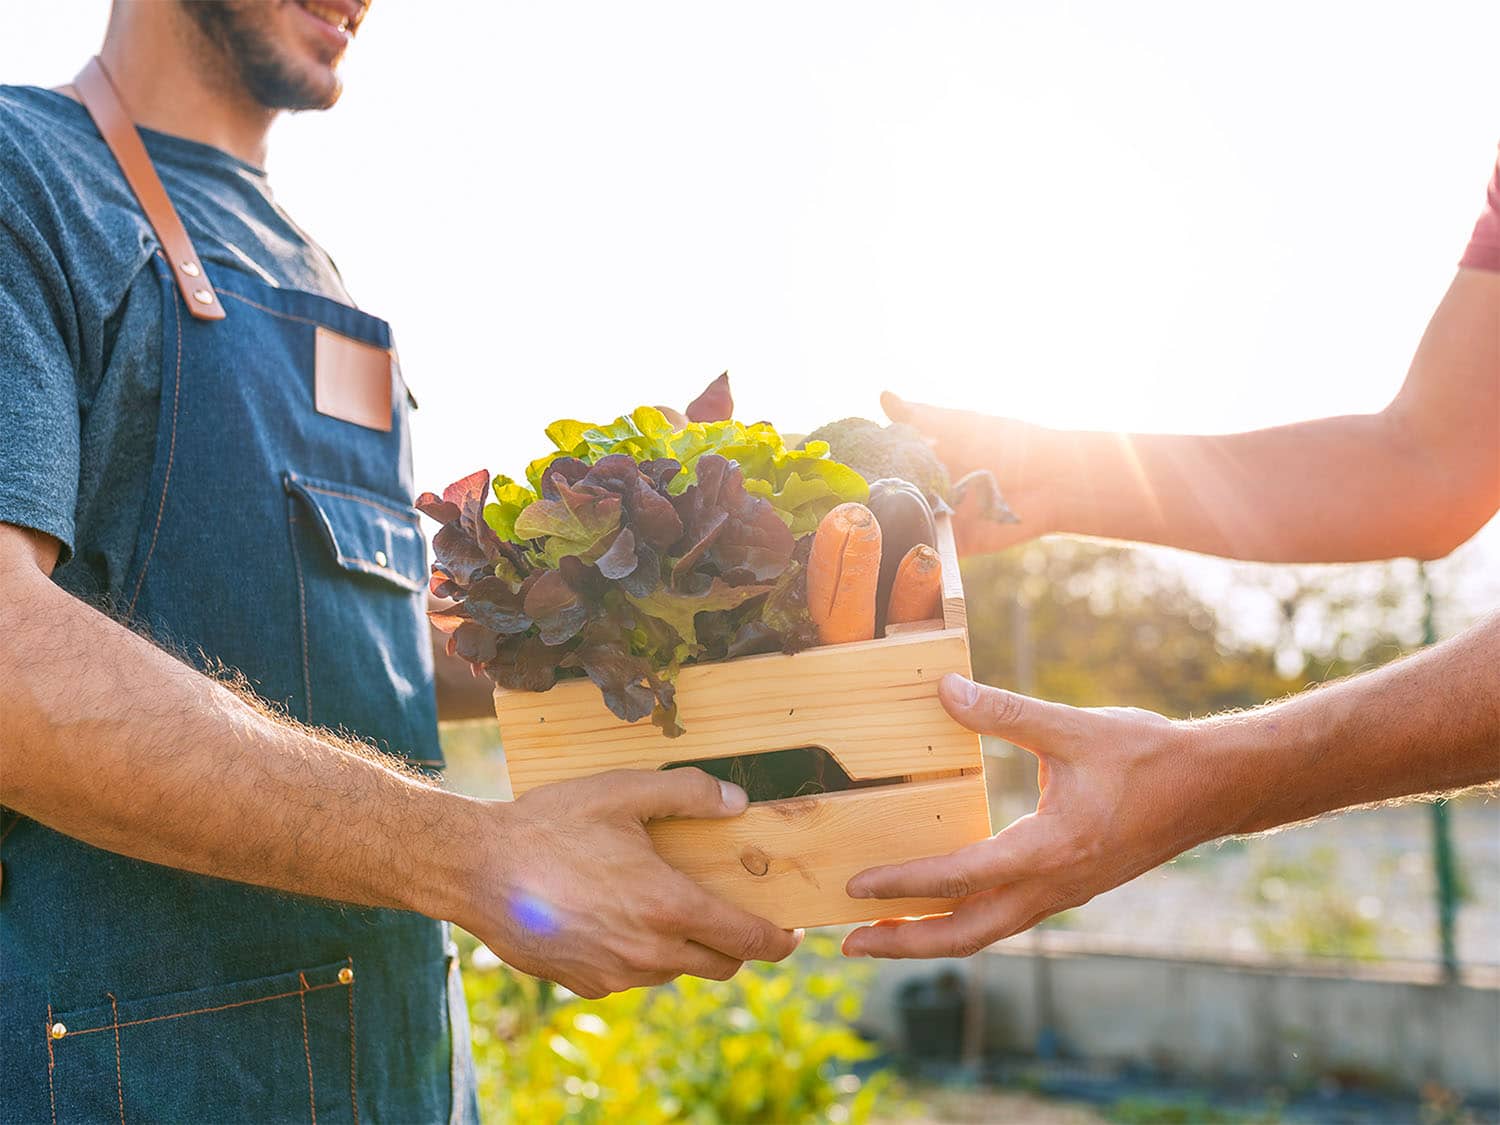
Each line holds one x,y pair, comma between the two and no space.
108,739
1417,479
1124,790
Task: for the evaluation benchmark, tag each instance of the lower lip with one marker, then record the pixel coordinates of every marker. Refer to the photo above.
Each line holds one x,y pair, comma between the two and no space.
332,35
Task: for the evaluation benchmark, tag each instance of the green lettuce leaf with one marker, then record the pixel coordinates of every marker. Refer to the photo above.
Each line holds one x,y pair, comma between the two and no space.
679,609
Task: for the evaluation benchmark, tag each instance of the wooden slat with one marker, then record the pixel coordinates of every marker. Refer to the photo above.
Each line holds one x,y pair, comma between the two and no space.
955,615
872,705
789,861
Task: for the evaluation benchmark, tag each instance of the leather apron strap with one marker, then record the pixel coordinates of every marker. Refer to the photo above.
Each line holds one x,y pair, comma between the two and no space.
98,95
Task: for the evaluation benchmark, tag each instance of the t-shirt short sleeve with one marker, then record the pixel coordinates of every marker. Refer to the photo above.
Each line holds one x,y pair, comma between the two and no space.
39,421
1484,247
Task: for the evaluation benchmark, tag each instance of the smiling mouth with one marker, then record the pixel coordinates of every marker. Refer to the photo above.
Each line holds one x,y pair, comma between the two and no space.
332,14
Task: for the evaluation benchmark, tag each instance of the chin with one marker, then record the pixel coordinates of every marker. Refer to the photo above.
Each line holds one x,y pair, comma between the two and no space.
284,54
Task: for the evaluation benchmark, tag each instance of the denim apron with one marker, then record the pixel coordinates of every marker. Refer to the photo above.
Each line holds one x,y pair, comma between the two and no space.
278,542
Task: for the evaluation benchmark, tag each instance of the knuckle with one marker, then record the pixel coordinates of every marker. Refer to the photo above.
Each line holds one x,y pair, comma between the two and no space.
1001,707
955,884
588,990
970,944
618,982
751,940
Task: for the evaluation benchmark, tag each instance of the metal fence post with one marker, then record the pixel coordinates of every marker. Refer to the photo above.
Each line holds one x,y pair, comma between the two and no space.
1443,859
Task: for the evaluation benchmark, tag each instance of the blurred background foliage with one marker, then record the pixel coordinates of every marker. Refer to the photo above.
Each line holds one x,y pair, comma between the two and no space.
1082,622
1110,625
772,1045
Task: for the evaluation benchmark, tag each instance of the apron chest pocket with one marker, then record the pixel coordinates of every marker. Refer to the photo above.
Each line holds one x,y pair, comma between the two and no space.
283,1044
360,574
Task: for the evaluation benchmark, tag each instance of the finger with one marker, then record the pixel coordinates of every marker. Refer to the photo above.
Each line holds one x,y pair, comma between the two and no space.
653,795
700,961
896,408
717,925
1035,724
930,419
975,925
1012,854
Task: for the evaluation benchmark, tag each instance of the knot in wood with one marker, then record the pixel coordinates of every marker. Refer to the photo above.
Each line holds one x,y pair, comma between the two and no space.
755,861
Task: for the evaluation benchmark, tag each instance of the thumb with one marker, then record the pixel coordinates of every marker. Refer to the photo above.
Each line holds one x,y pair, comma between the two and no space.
896,408
653,795
1034,724
920,414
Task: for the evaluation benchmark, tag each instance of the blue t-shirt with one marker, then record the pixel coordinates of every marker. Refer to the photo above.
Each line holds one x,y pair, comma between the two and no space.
81,316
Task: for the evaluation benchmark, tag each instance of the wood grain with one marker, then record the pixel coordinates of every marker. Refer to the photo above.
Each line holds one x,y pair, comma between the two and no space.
872,705
789,861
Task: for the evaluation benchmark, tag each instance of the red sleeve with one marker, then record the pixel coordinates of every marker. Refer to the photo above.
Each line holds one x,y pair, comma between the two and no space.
1484,247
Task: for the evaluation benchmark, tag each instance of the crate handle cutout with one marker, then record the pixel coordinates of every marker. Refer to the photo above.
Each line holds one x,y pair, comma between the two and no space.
757,771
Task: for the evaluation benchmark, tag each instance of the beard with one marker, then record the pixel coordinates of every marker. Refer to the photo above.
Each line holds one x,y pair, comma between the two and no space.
259,64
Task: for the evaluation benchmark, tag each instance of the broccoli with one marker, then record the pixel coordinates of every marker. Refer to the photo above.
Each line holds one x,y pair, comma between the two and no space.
898,450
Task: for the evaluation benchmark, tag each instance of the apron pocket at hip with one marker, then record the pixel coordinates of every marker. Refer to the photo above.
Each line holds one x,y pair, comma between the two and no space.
360,565
272,1049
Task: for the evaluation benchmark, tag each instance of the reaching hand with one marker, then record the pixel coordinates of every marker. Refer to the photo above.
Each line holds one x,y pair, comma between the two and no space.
1011,450
583,899
1120,794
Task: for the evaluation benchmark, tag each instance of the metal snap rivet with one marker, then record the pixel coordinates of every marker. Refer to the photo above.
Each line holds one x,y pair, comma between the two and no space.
57,1031
190,268
380,559
203,296
346,974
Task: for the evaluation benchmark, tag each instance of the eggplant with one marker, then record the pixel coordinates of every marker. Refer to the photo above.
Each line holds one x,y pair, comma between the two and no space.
905,519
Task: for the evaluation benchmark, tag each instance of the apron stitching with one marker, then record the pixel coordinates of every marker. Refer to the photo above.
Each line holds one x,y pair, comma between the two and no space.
171,452
51,1062
312,1103
11,827
353,1081
406,517
291,316
291,521
114,1008
192,1012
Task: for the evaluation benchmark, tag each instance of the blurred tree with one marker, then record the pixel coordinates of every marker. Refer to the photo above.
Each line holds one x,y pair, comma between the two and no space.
1111,625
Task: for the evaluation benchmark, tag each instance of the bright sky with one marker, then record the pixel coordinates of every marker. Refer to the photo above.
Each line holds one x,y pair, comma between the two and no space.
1168,216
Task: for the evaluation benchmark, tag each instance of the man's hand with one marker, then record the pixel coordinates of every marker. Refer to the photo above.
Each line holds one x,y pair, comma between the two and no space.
965,441
1124,790
582,898
1119,796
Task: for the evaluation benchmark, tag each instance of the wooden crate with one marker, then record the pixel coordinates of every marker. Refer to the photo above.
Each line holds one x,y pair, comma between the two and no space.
872,705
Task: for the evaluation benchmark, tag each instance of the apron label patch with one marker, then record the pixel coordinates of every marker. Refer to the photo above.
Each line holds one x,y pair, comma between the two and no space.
352,380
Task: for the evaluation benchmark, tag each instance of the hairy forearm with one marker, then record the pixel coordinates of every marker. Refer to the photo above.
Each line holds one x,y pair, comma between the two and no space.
108,739
1427,724
1316,491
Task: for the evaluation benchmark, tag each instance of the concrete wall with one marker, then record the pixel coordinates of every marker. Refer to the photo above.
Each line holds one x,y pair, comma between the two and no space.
1259,1023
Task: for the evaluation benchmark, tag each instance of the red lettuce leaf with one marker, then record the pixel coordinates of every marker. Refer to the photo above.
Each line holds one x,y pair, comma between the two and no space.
525,664
715,404
557,608
749,535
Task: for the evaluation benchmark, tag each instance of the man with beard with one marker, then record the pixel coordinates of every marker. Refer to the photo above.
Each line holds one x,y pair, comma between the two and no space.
204,442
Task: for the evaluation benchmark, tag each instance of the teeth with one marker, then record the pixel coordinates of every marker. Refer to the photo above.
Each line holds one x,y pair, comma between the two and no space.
328,14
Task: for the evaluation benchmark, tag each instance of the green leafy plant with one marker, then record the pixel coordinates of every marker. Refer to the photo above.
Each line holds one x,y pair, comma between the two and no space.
631,548
1304,911
771,1045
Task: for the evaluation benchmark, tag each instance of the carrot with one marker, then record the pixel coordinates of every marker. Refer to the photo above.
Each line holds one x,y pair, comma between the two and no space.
842,575
917,593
